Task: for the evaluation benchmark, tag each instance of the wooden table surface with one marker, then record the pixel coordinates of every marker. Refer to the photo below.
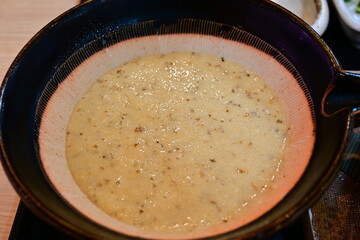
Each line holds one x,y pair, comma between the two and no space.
19,21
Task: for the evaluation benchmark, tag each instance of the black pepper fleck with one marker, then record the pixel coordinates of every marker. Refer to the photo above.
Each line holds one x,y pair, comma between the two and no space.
139,129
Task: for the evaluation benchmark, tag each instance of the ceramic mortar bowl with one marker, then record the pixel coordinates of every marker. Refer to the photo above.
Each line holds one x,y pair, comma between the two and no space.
89,31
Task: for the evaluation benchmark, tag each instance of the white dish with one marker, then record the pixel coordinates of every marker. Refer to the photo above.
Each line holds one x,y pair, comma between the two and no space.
350,20
313,12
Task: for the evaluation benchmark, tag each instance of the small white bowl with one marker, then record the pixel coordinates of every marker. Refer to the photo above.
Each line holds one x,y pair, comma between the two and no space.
313,12
349,19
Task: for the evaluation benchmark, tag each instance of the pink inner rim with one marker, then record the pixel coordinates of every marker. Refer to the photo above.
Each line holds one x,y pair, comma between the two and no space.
63,101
